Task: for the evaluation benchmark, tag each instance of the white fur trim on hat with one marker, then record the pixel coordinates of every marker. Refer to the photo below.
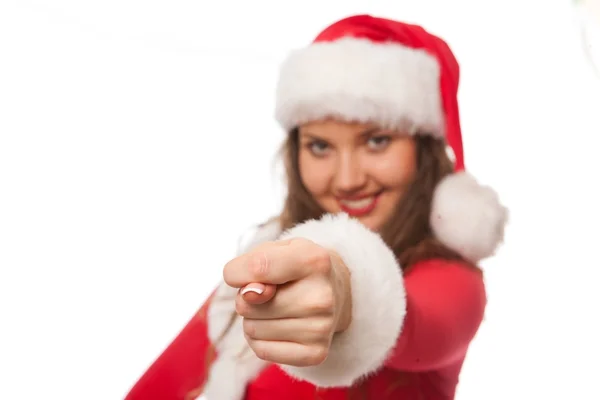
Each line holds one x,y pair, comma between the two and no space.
357,80
378,301
468,217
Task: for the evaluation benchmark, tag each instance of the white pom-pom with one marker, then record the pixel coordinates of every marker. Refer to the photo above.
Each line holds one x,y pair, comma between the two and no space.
468,217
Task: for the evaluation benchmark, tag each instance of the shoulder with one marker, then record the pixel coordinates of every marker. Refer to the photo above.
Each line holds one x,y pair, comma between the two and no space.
460,280
439,265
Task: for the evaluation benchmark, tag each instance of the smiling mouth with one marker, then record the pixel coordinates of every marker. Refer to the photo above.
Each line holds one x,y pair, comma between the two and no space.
359,207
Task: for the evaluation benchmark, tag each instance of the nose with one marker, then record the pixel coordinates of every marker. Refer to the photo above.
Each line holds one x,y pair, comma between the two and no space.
350,175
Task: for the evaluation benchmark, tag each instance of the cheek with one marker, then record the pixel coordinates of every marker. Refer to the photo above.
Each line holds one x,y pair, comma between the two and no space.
314,174
395,171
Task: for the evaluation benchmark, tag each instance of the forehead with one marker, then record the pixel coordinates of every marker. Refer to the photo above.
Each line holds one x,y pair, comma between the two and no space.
333,130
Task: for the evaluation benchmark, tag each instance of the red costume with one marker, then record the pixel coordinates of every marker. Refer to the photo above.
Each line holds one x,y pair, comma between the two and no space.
410,332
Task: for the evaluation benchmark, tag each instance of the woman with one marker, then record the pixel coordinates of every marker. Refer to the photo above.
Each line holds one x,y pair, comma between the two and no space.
366,285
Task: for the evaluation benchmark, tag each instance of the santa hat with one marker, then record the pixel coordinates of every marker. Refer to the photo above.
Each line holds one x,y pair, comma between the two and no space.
367,69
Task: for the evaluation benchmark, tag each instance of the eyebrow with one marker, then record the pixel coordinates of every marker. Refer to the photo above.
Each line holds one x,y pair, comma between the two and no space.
310,136
370,131
365,133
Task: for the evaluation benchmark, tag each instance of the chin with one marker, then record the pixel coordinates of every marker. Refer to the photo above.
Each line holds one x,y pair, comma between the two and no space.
371,222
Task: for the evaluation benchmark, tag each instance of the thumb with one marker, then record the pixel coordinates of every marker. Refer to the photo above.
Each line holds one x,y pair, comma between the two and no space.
258,293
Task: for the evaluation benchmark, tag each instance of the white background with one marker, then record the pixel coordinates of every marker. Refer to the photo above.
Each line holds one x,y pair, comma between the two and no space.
137,144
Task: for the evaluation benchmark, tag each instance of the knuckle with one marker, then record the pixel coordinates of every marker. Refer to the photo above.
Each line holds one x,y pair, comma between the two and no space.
318,355
249,328
323,301
258,264
320,260
260,351
322,327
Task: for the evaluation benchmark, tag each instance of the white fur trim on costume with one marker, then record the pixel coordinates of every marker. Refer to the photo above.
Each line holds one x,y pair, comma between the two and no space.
355,79
262,233
236,364
378,301
468,217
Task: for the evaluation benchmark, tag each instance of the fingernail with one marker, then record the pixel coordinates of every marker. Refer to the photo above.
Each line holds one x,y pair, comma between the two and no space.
257,288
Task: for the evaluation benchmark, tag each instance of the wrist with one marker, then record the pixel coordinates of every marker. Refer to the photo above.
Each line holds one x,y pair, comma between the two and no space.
341,277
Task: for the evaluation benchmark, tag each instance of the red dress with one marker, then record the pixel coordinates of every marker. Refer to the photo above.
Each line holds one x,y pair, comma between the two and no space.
444,303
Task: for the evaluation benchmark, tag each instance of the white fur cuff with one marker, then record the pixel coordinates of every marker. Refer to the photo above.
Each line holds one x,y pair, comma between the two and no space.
378,301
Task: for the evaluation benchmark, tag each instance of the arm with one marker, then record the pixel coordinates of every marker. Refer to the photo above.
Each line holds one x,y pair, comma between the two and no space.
180,372
419,323
203,357
189,366
446,302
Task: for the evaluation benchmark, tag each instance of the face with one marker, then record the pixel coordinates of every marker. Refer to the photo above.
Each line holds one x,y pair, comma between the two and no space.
356,168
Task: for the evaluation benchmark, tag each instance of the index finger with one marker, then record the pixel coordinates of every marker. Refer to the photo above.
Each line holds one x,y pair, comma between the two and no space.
275,264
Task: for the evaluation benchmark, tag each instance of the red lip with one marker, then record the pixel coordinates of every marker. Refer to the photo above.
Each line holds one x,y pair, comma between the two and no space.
358,212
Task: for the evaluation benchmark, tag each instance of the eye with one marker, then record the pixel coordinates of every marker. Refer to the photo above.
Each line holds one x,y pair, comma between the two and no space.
378,142
319,148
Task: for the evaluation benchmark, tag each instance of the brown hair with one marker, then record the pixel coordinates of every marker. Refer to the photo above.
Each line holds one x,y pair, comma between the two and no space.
408,232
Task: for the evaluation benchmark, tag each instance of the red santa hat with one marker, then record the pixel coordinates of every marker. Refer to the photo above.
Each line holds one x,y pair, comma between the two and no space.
400,76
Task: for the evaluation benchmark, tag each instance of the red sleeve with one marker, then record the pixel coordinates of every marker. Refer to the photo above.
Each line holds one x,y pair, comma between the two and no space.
445,306
179,373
